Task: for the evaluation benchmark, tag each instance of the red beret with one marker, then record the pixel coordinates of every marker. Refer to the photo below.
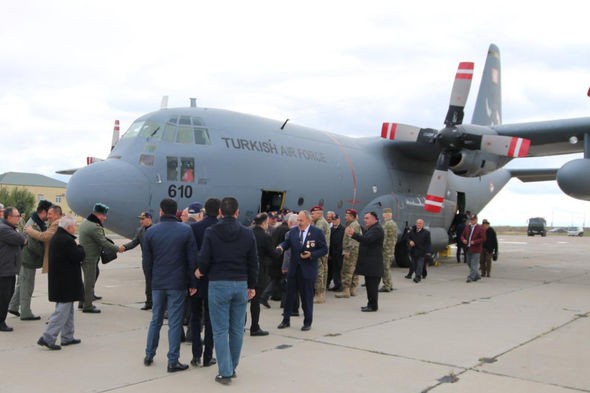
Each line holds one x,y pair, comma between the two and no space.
351,212
316,208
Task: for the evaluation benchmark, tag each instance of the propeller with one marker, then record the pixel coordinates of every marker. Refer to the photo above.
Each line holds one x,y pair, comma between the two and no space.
452,139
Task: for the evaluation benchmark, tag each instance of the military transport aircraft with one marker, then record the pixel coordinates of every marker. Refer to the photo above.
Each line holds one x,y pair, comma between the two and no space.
193,153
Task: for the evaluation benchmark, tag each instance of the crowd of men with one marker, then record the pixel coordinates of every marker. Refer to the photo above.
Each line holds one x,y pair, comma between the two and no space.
202,267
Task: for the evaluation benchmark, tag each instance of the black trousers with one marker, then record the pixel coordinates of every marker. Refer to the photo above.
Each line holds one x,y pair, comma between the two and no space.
372,287
199,317
6,292
335,270
255,308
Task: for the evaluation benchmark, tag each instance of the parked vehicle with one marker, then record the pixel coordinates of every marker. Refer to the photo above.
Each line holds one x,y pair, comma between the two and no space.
575,231
537,226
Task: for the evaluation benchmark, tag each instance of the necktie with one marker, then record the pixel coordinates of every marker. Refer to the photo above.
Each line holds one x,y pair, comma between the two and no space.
301,237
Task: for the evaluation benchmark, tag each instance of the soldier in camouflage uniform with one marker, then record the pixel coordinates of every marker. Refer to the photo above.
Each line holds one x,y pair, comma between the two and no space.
390,229
350,250
317,217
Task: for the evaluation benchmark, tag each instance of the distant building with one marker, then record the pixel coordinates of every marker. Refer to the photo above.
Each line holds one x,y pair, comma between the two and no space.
42,187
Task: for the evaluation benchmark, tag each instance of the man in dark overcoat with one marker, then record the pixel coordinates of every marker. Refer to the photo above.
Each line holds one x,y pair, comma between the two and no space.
370,258
64,284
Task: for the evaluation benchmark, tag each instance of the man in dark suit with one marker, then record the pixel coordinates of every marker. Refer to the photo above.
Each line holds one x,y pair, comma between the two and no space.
307,244
370,259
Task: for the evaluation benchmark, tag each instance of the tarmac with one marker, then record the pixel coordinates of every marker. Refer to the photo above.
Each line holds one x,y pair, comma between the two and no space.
525,329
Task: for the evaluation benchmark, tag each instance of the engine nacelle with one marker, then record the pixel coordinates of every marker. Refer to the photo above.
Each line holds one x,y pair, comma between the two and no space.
572,178
473,163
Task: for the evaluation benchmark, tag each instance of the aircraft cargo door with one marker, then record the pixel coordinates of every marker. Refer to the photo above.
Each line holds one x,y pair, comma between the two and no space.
271,200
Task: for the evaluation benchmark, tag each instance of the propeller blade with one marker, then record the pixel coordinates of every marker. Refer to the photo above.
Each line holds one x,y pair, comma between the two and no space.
437,188
115,139
459,94
505,145
406,133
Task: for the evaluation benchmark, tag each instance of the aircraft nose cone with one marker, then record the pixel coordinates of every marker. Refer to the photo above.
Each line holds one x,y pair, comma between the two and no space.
117,184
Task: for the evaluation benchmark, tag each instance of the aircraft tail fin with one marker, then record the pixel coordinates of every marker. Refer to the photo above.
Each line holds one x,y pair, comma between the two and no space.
488,107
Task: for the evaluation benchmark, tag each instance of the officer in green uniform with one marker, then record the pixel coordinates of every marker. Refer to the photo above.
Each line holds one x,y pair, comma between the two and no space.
390,229
350,251
93,239
317,217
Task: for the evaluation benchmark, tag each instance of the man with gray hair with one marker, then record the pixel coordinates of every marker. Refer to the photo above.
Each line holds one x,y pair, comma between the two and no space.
64,284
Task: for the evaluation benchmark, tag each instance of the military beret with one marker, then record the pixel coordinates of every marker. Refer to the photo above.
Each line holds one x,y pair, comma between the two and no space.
317,208
352,212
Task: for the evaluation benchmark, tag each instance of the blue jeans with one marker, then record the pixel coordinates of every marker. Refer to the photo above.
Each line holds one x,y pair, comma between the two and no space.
174,301
227,310
473,261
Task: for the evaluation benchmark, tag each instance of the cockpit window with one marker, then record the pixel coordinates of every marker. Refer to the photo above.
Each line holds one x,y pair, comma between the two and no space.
177,129
146,129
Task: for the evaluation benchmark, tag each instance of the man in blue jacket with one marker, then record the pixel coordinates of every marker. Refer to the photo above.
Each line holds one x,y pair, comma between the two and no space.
168,254
228,258
307,244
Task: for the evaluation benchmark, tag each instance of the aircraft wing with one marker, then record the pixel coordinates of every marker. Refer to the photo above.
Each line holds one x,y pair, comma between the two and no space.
549,137
533,175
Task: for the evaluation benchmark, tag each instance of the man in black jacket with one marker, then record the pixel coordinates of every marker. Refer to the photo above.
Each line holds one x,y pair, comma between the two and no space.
265,252
490,249
370,259
64,284
420,247
199,300
335,254
228,258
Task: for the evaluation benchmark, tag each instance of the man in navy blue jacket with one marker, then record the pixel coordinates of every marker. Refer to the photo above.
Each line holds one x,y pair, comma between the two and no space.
307,244
199,299
169,252
228,258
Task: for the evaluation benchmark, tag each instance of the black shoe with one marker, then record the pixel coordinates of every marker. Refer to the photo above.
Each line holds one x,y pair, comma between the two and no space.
210,363
468,280
15,313
172,368
147,361
223,380
195,362
96,297
44,343
383,289
408,276
283,325
416,280
305,328
265,303
258,332
146,307
31,318
92,310
73,341
5,328
368,309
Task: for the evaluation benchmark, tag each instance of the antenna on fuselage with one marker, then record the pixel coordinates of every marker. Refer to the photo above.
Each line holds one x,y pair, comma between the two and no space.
193,102
164,104
284,124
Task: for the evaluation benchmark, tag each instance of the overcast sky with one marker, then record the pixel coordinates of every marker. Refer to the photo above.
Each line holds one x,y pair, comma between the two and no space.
68,69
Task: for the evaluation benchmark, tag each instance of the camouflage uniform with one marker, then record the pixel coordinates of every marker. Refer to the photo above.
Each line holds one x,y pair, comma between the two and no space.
321,281
390,229
350,281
